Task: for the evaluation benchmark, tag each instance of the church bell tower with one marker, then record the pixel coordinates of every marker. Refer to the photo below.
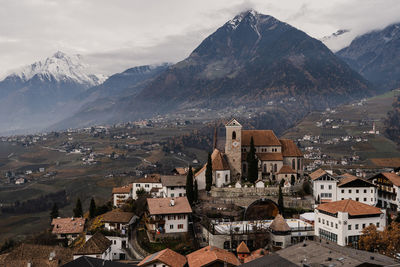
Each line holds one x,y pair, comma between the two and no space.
233,148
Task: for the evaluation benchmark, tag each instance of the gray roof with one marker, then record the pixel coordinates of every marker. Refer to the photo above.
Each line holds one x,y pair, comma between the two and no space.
326,253
270,260
173,180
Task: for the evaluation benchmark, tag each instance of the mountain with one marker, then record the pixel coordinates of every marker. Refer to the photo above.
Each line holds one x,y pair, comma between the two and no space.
249,61
129,82
32,96
376,55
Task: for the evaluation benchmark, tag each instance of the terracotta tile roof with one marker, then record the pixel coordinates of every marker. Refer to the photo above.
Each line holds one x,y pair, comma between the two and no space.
316,174
256,254
182,171
271,156
348,178
219,163
290,149
159,206
117,216
260,137
391,176
173,180
68,225
97,244
166,256
37,255
386,162
151,178
350,206
279,224
242,248
210,254
126,189
286,169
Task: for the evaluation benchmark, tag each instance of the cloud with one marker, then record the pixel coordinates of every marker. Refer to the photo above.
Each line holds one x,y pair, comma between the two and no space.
114,35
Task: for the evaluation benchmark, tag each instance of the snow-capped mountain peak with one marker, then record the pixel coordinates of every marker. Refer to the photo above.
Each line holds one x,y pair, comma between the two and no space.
61,67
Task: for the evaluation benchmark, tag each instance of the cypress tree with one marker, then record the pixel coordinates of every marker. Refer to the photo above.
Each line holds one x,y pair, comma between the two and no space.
195,192
189,186
280,200
78,212
54,211
92,209
252,163
209,173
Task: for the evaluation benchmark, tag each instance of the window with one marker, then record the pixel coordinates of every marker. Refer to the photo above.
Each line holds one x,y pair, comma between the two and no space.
365,199
147,185
298,163
233,135
293,164
180,226
244,168
115,242
336,225
342,198
275,167
365,191
180,194
349,191
356,226
357,191
265,168
331,224
377,224
172,195
171,226
323,221
349,226
330,187
319,220
357,199
322,186
137,185
226,178
363,225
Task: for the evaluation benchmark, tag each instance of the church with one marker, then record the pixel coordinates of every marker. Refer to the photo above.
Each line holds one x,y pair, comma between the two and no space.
277,158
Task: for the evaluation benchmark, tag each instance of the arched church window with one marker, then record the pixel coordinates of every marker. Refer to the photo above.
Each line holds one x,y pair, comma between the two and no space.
265,168
293,164
233,135
298,164
275,167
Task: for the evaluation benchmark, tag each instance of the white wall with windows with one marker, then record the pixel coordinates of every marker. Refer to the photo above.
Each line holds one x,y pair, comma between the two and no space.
174,191
146,186
344,230
325,188
366,195
222,178
176,223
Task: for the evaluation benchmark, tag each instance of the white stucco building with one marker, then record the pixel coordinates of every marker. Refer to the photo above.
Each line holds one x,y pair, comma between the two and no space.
150,183
166,216
342,221
388,184
328,187
220,171
97,246
173,185
121,195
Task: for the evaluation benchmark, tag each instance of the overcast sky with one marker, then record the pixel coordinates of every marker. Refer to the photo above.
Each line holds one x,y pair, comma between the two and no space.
118,34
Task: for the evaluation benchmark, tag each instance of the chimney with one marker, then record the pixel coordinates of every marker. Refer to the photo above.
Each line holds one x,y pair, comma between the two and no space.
172,202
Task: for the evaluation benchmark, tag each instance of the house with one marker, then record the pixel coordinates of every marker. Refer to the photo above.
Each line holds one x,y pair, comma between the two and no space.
36,255
220,171
212,256
118,221
324,185
271,152
269,260
20,180
260,183
342,221
94,262
68,228
388,189
121,195
358,189
181,170
173,185
259,253
167,217
97,246
150,184
166,257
